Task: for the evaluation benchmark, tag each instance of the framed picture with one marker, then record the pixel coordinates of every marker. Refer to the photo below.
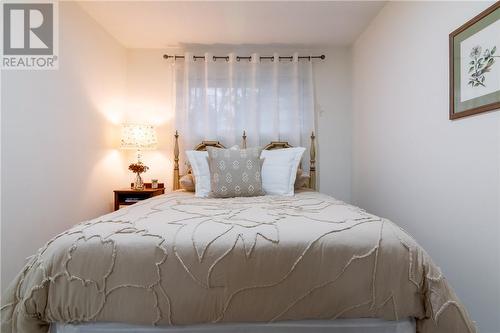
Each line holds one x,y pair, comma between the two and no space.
475,65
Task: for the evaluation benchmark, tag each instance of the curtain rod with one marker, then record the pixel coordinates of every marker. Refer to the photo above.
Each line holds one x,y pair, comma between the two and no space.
238,58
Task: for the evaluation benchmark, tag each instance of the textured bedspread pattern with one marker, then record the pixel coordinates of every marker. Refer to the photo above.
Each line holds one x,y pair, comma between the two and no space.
177,260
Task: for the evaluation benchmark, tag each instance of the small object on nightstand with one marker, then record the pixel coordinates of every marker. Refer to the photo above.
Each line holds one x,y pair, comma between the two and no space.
154,183
128,196
138,168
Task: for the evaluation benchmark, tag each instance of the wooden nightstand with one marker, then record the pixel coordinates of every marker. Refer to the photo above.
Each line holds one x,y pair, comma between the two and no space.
129,196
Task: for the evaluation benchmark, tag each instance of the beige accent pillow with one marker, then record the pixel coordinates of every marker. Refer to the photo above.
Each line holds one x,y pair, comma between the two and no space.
235,172
301,180
187,182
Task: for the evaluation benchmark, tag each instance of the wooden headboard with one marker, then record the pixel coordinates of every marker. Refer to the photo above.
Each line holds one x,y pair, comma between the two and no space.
272,145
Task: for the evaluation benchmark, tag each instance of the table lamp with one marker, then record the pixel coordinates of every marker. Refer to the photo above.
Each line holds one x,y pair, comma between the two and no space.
138,137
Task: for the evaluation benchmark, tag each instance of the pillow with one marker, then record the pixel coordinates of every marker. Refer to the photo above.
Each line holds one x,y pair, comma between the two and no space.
199,166
301,180
280,170
235,172
187,182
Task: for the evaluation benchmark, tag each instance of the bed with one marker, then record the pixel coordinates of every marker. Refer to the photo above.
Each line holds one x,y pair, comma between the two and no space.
178,263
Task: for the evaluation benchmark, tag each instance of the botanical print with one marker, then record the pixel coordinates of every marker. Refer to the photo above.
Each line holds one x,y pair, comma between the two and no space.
480,65
479,68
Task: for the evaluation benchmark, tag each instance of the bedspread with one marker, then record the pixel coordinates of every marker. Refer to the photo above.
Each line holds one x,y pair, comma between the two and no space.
176,260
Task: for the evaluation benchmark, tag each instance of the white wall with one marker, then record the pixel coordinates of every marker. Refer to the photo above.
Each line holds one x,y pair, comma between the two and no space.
334,123
149,95
59,162
437,178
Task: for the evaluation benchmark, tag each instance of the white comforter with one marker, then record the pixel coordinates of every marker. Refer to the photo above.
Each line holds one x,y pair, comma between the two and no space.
177,259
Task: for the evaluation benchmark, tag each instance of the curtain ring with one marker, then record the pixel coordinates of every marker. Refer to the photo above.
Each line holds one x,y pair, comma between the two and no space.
214,58
227,58
238,58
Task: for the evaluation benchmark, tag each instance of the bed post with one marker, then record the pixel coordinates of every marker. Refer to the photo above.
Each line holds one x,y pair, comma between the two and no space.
312,165
175,184
244,142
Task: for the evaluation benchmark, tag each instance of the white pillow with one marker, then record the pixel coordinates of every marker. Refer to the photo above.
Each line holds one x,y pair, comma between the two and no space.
199,166
280,169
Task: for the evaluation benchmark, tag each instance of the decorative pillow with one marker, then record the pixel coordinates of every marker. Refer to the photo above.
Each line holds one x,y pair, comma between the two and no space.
234,172
301,180
187,182
201,172
280,170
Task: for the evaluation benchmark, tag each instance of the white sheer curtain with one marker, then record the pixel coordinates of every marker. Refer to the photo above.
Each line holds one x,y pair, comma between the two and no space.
218,99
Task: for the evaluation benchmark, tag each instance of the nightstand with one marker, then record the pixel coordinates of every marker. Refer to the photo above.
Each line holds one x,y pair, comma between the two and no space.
129,196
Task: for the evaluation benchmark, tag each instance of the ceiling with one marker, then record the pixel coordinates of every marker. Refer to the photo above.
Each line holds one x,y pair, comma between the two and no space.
164,24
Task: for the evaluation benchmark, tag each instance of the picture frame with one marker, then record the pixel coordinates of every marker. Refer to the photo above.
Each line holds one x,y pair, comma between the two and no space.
475,65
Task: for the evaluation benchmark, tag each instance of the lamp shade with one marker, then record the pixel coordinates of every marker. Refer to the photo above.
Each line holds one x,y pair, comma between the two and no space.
138,136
